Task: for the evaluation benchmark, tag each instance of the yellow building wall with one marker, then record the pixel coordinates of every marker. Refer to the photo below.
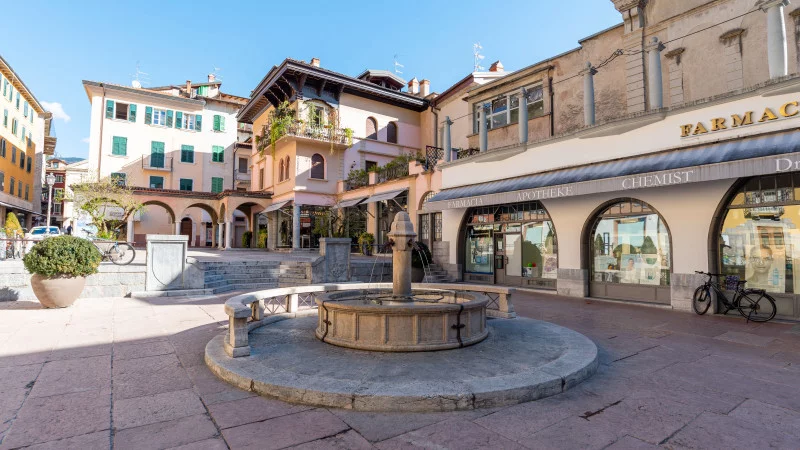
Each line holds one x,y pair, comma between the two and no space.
13,170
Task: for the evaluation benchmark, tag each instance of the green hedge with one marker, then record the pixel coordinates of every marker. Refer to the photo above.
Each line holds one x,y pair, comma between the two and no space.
66,256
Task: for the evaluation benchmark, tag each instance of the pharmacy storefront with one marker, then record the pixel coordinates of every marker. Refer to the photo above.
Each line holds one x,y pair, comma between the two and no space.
636,228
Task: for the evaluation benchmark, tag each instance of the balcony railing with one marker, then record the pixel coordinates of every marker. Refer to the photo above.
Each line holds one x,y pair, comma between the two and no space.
157,162
245,176
356,180
304,130
432,156
466,152
393,172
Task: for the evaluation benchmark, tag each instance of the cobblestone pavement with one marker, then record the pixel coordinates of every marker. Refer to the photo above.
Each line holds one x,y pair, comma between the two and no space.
126,373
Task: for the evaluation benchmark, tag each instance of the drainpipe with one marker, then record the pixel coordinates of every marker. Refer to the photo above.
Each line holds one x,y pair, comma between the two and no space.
552,104
436,127
102,120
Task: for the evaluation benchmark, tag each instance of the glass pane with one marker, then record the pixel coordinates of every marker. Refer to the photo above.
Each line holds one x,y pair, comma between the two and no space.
479,251
514,255
539,252
631,250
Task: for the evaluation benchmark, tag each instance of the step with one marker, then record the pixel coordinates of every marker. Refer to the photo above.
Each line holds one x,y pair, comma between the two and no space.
216,284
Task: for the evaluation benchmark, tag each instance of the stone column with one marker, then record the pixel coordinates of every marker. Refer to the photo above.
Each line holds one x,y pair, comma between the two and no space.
130,229
402,235
483,128
295,227
523,116
177,226
229,234
220,242
588,94
675,76
213,235
448,145
655,90
776,37
633,18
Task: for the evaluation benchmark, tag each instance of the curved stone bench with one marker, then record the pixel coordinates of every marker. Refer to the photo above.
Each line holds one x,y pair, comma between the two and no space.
246,311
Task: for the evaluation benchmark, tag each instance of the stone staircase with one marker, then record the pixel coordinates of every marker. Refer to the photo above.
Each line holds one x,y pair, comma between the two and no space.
436,274
244,275
293,273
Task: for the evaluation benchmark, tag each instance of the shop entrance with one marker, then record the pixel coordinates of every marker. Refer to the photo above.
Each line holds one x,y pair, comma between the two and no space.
508,259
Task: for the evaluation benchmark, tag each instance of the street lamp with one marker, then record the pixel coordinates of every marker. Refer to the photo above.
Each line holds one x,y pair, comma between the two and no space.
50,179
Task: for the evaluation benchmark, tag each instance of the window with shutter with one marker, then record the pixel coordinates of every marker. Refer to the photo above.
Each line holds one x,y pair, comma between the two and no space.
198,122
372,128
5,118
109,109
178,120
185,184
3,148
119,178
169,118
216,122
217,153
287,168
156,182
391,132
221,123
216,184
148,115
2,181
121,111
29,165
21,159
157,154
187,153
132,113
317,167
120,146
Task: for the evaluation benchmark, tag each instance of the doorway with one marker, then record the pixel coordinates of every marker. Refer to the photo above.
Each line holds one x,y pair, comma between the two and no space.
186,229
508,258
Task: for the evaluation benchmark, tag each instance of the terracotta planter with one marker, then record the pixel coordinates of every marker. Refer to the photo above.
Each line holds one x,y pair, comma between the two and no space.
57,292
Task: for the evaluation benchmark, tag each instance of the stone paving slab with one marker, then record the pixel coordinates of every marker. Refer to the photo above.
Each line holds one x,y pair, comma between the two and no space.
660,367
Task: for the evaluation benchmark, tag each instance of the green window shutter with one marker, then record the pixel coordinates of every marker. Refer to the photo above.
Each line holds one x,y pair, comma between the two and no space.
157,154
216,184
148,115
178,120
115,146
217,153
185,184
156,182
221,123
120,146
109,109
216,122
198,122
132,113
169,118
187,153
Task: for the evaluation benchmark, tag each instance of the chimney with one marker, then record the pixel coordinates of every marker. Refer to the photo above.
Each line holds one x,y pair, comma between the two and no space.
496,66
211,78
189,88
315,62
424,88
413,86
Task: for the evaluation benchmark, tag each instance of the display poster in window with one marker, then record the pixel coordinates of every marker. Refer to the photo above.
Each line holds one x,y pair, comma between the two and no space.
605,268
630,268
550,266
765,266
649,266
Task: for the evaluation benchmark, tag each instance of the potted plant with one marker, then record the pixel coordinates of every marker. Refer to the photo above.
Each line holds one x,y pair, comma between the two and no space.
420,257
365,241
59,266
246,238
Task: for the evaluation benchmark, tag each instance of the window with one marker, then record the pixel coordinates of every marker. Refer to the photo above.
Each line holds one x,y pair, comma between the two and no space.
261,179
186,184
2,147
219,123
30,164
287,168
12,186
630,245
13,154
372,128
370,166
17,103
157,154
216,184
217,153
27,192
391,132
25,109
243,165
59,178
119,146
5,87
160,117
505,110
14,127
169,118
21,159
157,182
5,118
120,111
184,121
119,178
317,167
2,181
281,171
316,115
19,189
56,208
187,153
202,90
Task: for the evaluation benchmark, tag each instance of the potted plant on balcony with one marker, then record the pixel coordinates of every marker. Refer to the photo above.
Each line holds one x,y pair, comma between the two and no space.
59,267
420,258
365,241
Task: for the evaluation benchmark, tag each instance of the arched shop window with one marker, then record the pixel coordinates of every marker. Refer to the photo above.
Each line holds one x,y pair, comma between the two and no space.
759,236
511,244
630,246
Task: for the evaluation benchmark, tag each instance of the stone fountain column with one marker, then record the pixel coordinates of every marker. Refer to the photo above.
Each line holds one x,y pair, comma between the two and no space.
402,237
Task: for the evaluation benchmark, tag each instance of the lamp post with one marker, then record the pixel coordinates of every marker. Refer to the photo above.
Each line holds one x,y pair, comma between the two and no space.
50,179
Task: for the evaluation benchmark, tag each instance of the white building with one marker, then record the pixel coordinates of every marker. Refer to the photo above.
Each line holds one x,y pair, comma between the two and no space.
169,138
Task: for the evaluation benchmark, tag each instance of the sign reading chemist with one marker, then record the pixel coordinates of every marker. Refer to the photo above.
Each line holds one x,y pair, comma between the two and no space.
786,110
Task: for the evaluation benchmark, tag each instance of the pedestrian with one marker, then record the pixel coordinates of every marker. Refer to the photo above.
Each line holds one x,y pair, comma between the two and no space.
69,229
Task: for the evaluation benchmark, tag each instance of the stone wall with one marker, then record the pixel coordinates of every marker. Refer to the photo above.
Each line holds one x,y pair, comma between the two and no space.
370,271
110,281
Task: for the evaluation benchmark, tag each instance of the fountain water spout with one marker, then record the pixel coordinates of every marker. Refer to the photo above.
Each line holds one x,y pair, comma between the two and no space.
402,235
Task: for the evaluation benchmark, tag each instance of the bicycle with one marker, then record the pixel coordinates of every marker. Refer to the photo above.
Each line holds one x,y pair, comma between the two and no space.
752,304
120,253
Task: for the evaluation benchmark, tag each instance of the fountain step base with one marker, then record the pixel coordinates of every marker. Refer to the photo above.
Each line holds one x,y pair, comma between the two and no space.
521,360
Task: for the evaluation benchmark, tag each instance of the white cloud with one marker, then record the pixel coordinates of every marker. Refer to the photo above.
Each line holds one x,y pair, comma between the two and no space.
57,110
85,140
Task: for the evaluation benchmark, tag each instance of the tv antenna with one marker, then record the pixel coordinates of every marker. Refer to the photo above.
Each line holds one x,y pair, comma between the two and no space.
476,53
139,78
397,66
215,73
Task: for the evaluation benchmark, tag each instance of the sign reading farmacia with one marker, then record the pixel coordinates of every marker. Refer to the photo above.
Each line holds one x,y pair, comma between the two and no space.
789,109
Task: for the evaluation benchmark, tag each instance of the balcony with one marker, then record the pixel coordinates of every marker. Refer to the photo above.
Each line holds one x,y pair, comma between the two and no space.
242,175
338,136
157,162
391,172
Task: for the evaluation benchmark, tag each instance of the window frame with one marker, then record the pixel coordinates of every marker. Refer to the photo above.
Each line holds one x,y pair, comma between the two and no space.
510,98
389,126
157,116
181,183
150,182
221,182
367,134
187,150
115,116
218,150
316,166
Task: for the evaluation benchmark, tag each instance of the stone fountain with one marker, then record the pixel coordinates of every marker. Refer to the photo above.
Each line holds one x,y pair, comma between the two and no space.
398,347
403,320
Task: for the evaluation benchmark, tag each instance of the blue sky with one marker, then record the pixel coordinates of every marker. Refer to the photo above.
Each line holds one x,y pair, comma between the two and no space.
176,41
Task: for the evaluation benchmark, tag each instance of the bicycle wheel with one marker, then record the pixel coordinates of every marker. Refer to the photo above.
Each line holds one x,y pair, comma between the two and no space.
756,305
121,254
701,300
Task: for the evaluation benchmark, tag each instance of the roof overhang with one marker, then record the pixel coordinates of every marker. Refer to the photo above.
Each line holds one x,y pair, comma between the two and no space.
89,85
9,73
283,82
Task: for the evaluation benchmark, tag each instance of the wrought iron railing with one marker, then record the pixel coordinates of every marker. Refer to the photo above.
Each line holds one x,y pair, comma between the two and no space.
432,156
392,172
304,130
466,152
157,162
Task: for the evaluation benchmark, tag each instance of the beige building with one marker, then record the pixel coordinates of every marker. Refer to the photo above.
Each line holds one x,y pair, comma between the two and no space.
661,146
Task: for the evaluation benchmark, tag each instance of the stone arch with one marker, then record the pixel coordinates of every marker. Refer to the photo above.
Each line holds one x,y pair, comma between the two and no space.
168,208
205,207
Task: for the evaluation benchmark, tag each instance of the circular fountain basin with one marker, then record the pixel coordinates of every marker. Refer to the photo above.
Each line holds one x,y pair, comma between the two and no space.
376,321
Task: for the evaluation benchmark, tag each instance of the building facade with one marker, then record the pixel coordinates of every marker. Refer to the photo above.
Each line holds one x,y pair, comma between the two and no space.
660,147
58,168
170,139
24,138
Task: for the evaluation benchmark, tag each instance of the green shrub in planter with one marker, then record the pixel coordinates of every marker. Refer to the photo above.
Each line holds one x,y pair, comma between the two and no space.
63,256
246,237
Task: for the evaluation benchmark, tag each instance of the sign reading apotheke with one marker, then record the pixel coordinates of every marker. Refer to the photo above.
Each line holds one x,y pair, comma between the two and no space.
789,109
